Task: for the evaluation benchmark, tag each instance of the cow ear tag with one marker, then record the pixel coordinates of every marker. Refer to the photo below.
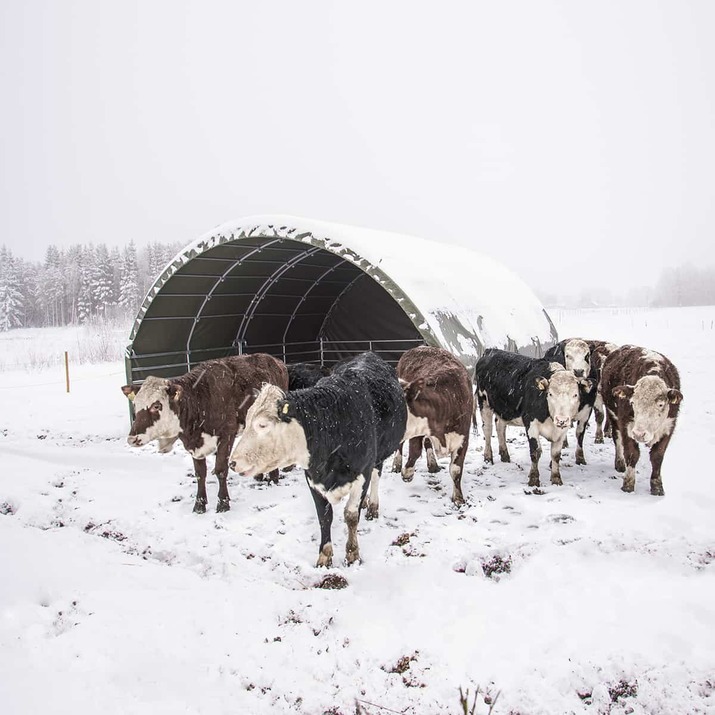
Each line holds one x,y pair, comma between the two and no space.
285,408
131,396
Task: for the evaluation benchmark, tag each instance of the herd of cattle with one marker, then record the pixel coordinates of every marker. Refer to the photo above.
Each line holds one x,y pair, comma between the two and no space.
341,425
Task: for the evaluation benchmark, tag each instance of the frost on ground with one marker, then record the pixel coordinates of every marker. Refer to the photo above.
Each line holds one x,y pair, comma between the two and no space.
580,598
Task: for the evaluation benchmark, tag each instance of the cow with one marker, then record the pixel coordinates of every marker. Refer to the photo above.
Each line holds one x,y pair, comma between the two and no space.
438,392
204,408
340,431
542,396
305,374
584,358
641,391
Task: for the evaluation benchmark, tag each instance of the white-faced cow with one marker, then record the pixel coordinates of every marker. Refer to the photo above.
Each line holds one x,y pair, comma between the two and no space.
585,359
205,409
339,431
641,390
540,395
439,399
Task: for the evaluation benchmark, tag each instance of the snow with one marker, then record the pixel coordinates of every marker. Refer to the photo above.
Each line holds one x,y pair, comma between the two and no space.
461,293
116,596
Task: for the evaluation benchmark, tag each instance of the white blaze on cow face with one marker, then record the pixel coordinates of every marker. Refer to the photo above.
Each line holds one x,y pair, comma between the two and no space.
650,398
562,397
154,418
267,442
577,357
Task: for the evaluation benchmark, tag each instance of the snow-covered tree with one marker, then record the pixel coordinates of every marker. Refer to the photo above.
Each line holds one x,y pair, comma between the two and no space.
129,280
11,298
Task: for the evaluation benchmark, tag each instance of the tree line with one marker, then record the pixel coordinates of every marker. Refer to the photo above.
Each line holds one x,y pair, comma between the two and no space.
79,284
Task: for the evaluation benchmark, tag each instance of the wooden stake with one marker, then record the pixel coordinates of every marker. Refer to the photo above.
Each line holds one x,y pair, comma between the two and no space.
67,370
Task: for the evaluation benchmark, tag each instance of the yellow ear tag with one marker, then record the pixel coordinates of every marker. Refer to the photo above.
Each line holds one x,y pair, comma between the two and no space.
131,396
285,408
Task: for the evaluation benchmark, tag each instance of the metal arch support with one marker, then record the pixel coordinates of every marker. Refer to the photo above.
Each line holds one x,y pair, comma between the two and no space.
209,295
337,300
305,295
261,292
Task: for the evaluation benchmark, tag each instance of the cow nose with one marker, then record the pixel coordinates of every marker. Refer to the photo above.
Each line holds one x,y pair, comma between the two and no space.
578,373
639,436
133,441
232,464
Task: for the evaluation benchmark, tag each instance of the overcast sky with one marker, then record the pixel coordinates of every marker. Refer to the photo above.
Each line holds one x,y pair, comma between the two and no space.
573,141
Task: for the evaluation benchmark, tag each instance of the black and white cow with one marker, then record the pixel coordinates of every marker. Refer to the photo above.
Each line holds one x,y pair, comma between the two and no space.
577,355
542,396
641,390
204,408
340,431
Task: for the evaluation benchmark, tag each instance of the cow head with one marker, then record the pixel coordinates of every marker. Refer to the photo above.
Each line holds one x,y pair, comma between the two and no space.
651,399
577,357
563,390
154,416
272,438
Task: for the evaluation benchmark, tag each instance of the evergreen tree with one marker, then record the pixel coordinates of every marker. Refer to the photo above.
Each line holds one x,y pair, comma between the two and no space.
11,299
102,283
129,280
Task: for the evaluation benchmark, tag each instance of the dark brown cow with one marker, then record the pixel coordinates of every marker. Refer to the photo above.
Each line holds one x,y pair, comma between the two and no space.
600,350
439,399
641,391
205,408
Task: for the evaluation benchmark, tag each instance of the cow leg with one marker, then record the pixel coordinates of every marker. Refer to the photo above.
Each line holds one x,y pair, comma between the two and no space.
657,452
414,449
487,425
608,426
620,462
223,451
631,452
432,466
352,517
325,519
535,453
556,447
598,411
501,439
201,500
581,425
397,461
566,441
273,476
372,500
455,469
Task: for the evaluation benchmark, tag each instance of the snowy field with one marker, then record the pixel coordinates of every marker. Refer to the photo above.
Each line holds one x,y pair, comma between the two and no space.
116,598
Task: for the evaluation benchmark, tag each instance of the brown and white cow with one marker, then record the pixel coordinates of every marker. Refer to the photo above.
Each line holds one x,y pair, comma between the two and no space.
438,392
205,408
641,391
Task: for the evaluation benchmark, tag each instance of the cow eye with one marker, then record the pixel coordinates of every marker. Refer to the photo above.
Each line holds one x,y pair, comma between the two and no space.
156,407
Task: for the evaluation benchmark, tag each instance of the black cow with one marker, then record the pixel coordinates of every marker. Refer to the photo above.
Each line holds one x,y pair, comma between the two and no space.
542,396
340,431
305,374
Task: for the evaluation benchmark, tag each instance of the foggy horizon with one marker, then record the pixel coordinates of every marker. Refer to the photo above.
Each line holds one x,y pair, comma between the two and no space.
573,145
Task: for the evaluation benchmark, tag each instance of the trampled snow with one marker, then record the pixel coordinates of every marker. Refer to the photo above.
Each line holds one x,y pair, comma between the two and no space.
116,598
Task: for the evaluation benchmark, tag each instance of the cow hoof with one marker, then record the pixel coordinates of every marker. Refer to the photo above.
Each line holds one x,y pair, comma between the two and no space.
620,467
457,500
199,506
580,459
599,439
657,490
433,468
608,434
504,456
324,562
372,512
408,474
557,481
628,488
534,482
352,557
223,505
489,459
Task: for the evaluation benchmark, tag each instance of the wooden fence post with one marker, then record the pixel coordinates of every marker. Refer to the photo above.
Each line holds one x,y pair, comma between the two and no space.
67,370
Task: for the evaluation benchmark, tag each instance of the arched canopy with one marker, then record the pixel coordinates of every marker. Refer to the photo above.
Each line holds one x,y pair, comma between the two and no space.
312,291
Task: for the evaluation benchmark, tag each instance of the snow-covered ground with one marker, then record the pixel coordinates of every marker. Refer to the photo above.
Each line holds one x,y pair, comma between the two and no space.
116,598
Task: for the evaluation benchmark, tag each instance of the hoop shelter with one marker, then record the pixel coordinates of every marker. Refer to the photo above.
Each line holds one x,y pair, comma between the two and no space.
308,291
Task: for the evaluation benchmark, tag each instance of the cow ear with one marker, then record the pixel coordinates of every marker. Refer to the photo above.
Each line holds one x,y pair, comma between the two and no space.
586,384
675,397
623,392
130,391
175,391
286,412
413,389
542,383
403,383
